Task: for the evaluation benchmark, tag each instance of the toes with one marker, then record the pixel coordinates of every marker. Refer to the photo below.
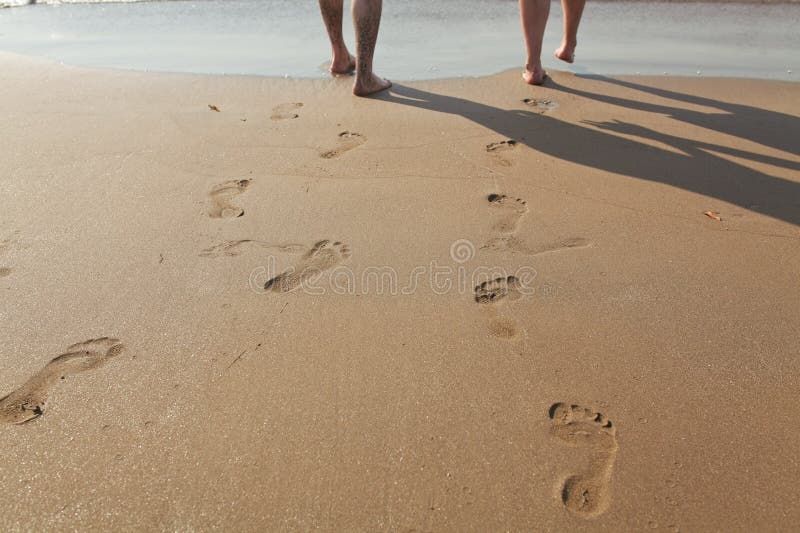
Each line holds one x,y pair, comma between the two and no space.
344,251
16,410
274,284
562,414
319,246
232,212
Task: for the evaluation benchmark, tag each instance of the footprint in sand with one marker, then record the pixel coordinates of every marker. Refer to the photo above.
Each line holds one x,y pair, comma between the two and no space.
542,105
286,111
28,401
587,493
234,248
515,245
221,196
494,290
322,256
5,245
347,141
491,292
509,211
501,146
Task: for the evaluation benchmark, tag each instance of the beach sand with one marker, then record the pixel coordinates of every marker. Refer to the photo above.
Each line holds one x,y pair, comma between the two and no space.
132,210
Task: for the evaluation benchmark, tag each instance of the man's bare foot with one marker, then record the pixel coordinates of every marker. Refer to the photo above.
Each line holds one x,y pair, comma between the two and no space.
566,52
534,75
372,84
343,64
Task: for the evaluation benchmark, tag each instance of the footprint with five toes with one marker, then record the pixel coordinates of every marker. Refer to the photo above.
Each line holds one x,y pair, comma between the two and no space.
588,492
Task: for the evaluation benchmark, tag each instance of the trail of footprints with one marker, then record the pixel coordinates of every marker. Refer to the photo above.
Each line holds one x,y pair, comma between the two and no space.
585,491
28,401
507,213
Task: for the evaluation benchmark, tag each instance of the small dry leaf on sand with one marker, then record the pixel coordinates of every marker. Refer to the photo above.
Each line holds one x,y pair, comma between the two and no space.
213,108
713,214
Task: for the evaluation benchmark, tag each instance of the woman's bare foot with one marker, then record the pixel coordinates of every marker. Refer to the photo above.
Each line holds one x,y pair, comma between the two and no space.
369,85
344,64
566,52
534,75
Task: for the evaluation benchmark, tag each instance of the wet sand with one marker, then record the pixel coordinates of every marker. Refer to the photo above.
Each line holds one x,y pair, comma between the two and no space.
630,363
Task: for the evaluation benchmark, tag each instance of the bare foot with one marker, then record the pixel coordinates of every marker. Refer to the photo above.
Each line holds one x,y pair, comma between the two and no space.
566,52
343,65
370,85
535,75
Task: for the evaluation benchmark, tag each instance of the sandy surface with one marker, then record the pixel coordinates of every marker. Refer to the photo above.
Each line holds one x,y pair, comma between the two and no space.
224,405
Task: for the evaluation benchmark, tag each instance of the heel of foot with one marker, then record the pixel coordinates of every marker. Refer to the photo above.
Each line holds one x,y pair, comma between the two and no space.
585,496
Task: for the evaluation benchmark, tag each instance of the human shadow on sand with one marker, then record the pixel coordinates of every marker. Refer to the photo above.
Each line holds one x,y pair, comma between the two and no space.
696,169
770,128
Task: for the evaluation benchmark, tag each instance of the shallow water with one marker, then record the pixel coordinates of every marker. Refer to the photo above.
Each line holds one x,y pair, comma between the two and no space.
418,39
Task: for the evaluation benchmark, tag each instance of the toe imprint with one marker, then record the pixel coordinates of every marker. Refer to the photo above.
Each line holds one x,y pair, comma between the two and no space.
510,211
495,290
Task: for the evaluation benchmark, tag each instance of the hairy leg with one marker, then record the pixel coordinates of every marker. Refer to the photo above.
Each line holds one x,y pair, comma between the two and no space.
573,11
534,15
367,19
342,61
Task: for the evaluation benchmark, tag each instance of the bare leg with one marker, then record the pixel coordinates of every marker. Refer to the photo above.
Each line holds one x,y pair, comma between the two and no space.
573,10
342,61
367,19
534,15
